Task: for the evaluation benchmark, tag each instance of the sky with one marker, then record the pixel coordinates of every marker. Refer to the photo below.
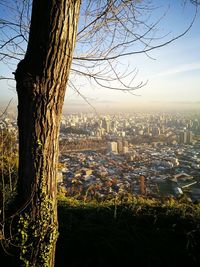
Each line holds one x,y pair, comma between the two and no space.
172,72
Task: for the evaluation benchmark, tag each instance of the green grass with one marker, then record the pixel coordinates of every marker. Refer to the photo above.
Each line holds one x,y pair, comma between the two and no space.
128,232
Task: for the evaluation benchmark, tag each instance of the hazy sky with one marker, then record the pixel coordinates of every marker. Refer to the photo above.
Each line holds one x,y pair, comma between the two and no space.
173,74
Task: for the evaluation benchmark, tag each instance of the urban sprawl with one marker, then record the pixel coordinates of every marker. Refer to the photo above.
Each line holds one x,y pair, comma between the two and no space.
151,154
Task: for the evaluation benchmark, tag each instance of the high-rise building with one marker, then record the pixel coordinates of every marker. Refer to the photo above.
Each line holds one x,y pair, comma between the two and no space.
189,137
123,134
183,137
113,125
106,125
162,130
125,149
120,147
112,147
125,143
155,131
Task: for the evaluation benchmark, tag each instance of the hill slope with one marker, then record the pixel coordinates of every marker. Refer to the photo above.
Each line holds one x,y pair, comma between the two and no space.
140,232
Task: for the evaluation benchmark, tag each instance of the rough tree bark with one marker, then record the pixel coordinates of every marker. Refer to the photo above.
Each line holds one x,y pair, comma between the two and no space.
41,83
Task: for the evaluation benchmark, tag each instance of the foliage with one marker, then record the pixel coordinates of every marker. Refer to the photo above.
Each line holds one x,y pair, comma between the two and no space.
8,152
137,230
36,236
8,166
115,232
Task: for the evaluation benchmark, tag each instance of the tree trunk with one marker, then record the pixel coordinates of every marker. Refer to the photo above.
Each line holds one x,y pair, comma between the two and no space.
41,82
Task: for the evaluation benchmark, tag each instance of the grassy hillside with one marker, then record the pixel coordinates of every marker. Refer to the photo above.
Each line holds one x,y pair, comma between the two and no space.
128,232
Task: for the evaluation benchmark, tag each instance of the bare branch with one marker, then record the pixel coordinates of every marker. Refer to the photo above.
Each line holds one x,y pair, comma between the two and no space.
108,30
148,49
82,96
5,110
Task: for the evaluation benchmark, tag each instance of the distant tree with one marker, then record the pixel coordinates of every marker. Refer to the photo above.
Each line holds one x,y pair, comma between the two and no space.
107,31
8,168
142,185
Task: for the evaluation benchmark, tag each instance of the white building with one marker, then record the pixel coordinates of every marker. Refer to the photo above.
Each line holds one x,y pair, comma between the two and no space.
112,147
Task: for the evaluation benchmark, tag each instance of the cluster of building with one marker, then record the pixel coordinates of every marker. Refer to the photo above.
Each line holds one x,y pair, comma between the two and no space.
146,169
137,128
185,137
140,153
151,154
118,147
